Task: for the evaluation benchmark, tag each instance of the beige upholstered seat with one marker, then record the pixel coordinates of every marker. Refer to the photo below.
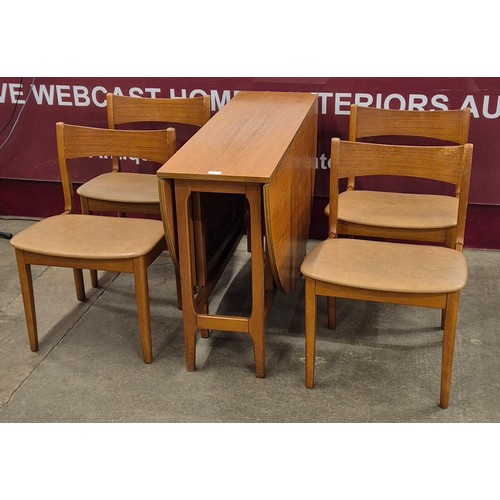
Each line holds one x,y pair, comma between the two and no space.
407,216
80,241
396,273
122,187
397,210
90,237
137,193
390,267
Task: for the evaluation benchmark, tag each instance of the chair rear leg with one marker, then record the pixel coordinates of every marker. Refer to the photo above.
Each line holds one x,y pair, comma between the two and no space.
310,314
331,311
94,280
443,318
26,282
142,298
93,274
450,242
79,284
450,328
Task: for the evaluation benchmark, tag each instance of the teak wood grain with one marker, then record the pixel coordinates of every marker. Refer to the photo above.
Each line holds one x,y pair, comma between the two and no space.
287,202
261,145
449,125
245,141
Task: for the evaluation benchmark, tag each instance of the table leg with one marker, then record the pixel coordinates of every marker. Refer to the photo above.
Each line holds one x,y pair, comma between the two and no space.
199,252
187,252
184,228
257,317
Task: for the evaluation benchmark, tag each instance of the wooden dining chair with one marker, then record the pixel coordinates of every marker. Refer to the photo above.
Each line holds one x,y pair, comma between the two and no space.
402,216
396,273
126,192
81,241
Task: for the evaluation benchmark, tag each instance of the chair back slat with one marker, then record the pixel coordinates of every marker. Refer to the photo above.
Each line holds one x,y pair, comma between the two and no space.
442,125
439,163
81,142
124,109
449,125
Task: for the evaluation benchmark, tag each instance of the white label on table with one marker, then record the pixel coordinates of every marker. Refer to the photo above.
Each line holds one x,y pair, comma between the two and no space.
214,172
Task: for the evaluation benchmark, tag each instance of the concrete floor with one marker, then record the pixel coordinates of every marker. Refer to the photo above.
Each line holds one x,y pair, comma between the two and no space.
381,364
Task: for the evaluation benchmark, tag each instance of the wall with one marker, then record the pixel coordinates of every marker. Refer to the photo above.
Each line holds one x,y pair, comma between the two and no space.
30,107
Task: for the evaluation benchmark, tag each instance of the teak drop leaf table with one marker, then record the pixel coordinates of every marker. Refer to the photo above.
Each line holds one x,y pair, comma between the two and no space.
260,147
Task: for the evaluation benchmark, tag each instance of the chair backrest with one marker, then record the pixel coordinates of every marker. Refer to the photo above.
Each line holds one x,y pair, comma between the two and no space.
450,164
127,110
444,125
189,110
82,142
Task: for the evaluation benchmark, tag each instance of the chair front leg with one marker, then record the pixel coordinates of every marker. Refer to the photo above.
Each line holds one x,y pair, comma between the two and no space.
26,282
310,323
450,328
79,284
142,298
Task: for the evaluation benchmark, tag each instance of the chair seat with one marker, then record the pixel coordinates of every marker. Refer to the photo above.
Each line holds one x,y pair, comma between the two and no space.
122,187
90,237
397,210
390,267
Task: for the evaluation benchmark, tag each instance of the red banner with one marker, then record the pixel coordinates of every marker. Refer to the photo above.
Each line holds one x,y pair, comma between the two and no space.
30,107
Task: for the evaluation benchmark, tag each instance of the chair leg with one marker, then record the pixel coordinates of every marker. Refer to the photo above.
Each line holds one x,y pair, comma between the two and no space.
94,279
93,274
450,243
450,237
142,298
79,284
450,328
310,314
331,311
26,282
